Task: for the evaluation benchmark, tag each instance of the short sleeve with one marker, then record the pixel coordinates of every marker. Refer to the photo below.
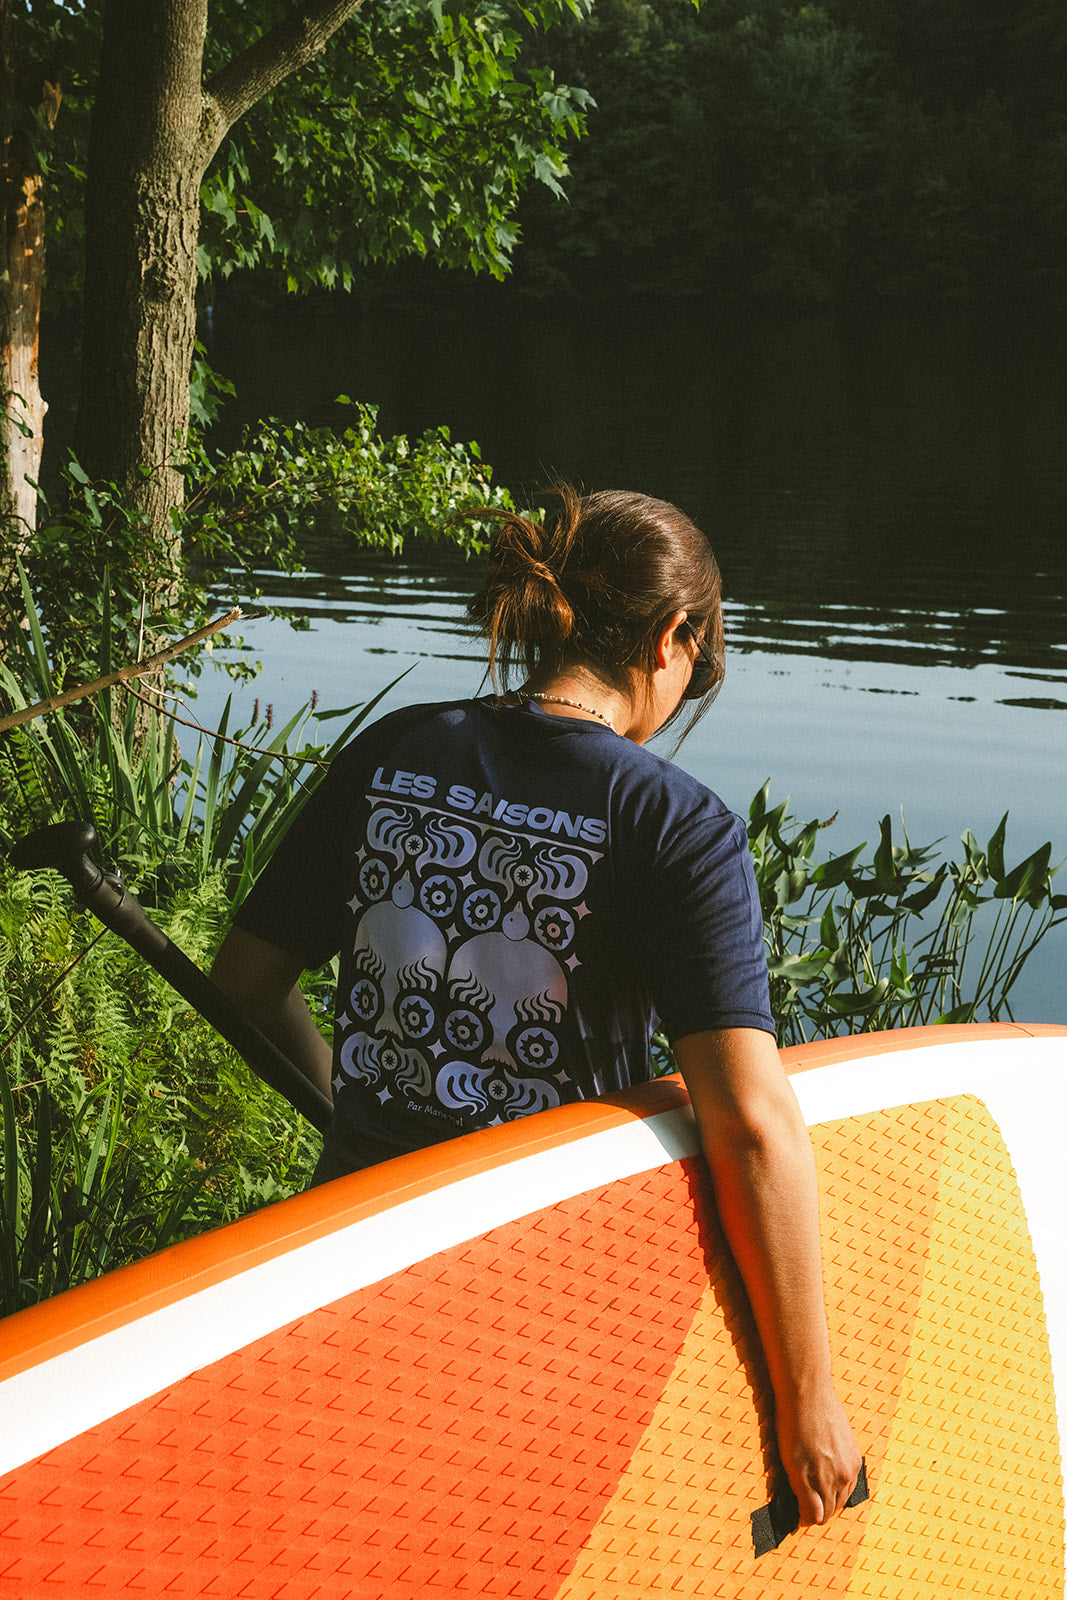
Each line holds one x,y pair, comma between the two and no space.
704,930
298,902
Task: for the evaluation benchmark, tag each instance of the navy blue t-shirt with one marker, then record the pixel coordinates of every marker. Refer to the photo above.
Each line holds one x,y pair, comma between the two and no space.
518,900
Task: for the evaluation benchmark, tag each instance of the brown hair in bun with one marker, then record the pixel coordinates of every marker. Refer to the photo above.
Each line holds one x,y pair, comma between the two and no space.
593,587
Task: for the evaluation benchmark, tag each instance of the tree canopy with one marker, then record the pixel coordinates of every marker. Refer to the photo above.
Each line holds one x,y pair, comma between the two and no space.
311,137
413,131
413,134
808,153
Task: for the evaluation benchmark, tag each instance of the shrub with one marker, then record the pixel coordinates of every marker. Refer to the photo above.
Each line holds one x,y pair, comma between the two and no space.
902,940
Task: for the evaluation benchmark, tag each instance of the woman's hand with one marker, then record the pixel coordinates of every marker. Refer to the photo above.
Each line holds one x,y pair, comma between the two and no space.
763,1173
820,1456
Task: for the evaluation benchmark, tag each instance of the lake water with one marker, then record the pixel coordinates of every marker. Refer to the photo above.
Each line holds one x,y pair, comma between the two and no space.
887,497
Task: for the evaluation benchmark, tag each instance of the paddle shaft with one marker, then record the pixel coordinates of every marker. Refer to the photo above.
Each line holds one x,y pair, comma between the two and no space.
107,897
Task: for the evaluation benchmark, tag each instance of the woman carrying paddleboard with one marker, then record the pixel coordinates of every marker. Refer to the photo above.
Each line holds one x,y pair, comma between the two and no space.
520,891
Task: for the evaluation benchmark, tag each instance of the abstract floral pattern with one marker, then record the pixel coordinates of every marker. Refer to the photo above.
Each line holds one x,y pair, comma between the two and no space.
465,942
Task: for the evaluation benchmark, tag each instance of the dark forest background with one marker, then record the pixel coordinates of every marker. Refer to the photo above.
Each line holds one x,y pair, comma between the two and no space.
899,149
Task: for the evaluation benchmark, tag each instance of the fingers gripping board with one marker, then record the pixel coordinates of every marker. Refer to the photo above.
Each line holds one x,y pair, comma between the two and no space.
523,1366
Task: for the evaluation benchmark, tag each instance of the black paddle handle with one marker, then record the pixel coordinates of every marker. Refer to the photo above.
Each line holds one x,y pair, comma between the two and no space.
64,846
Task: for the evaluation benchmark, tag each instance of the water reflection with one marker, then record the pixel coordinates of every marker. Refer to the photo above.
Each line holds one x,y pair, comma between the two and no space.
858,711
910,459
886,492
433,596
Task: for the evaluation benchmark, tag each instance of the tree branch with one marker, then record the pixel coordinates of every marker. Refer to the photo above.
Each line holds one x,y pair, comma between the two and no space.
257,70
136,669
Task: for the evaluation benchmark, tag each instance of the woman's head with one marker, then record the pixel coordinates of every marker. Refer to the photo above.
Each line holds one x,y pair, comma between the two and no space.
594,586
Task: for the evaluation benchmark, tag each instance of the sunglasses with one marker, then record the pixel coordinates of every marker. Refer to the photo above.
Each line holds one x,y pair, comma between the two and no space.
708,670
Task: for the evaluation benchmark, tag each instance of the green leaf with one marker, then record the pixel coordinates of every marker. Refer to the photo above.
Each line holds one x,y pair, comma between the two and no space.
974,857
837,870
859,1002
12,1214
961,1013
995,849
798,969
884,864
1029,880
924,897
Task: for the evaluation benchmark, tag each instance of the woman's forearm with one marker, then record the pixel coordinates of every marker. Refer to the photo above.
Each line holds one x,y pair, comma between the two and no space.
763,1173
262,980
766,1196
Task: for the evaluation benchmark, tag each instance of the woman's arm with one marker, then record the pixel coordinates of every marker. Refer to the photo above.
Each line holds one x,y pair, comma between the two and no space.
262,980
763,1173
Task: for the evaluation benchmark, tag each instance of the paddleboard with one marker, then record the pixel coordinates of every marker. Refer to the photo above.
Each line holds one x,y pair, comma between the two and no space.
521,1364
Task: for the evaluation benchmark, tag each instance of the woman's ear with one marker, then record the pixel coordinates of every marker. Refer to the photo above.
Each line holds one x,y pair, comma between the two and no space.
666,641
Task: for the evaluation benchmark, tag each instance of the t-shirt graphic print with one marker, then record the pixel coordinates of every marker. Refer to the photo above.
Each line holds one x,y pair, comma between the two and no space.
515,900
464,949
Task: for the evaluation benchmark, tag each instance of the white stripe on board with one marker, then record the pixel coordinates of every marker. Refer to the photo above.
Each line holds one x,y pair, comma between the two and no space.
1022,1081
62,1397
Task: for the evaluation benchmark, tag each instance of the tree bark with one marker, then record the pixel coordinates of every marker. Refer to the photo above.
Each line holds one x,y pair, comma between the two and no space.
141,225
22,218
155,129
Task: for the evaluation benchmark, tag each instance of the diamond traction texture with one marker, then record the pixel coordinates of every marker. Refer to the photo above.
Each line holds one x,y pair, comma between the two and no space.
325,1454
471,1434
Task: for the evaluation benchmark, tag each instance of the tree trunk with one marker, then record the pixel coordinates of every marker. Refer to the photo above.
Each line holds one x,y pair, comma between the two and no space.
22,217
155,128
141,227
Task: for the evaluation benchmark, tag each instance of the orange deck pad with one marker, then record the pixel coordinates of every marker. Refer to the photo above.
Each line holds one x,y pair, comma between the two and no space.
574,1406
119,1297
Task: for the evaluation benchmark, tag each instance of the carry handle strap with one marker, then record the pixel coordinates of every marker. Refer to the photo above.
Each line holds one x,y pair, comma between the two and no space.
774,1522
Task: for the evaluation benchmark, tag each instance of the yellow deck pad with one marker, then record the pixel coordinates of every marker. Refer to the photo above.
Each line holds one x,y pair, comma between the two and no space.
968,1500
942,1360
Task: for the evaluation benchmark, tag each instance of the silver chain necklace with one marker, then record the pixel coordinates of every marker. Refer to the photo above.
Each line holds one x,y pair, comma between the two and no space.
561,700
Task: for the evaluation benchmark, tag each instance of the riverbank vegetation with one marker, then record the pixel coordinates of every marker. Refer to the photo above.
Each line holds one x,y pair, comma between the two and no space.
807,154
801,155
738,150
794,152
160,151
95,561
127,1124
158,148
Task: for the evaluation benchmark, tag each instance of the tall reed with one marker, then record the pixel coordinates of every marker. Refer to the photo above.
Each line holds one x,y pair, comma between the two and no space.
126,1122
